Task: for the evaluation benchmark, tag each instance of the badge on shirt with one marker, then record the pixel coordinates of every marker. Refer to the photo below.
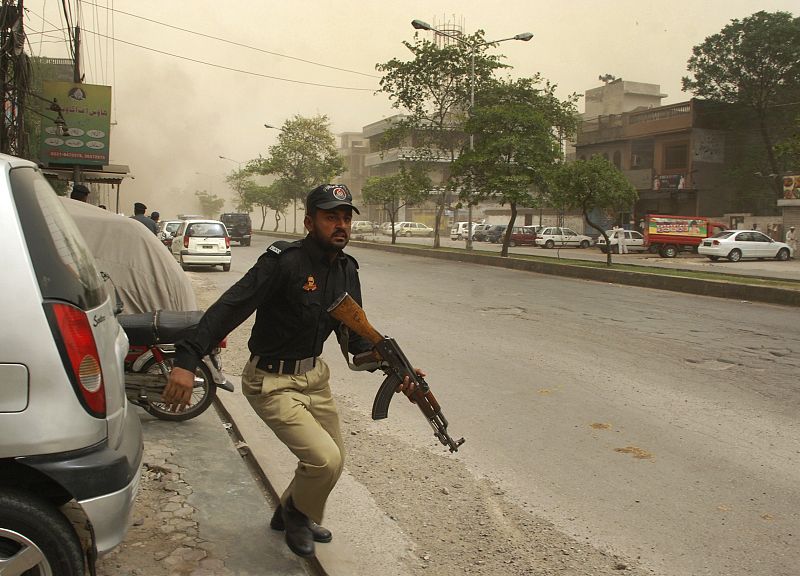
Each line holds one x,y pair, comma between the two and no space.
310,284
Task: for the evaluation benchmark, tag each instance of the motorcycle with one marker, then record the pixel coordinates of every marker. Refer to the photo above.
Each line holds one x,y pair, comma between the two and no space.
152,338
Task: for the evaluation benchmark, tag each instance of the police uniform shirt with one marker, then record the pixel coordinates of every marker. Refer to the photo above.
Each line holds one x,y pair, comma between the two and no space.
290,288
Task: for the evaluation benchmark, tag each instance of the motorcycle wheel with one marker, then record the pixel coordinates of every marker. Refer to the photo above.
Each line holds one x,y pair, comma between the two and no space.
202,396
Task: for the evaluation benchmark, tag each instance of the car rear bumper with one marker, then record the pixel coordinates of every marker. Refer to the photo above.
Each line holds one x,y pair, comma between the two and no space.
103,480
201,258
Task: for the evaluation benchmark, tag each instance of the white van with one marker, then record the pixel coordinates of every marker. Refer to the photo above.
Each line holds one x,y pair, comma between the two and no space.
459,230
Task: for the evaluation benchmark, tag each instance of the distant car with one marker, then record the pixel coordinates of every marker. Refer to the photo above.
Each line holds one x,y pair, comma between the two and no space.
166,230
559,237
459,231
494,233
362,227
239,225
634,242
523,236
202,243
478,232
737,244
410,229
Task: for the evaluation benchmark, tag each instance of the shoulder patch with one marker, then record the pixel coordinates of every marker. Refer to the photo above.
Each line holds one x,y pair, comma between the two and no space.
278,247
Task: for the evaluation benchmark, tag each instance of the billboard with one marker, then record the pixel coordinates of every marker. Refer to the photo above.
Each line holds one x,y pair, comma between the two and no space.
791,187
677,226
86,109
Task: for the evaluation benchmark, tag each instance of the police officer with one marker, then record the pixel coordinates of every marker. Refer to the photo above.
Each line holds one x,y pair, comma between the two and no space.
290,288
139,214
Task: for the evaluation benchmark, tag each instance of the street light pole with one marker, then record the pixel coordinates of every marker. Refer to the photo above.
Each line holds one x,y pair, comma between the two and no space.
238,176
525,36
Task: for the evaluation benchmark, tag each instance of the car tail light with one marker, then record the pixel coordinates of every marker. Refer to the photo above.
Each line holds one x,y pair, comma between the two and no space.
78,349
185,241
715,242
227,241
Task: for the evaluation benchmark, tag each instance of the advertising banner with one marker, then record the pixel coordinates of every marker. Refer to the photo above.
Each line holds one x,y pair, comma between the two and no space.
791,187
677,226
86,109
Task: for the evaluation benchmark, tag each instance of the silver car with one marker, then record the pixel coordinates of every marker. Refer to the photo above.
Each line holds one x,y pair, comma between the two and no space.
70,446
737,244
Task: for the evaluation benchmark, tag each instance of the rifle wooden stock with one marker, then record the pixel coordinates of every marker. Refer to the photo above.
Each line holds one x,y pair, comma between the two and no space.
396,367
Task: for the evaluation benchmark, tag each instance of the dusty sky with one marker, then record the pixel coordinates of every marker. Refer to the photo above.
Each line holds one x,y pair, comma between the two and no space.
175,117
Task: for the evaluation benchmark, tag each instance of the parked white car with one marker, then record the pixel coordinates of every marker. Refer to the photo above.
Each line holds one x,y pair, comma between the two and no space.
558,237
634,241
202,243
409,229
737,244
459,231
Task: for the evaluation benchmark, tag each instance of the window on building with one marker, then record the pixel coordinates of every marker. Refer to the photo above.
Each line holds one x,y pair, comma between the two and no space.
618,159
676,156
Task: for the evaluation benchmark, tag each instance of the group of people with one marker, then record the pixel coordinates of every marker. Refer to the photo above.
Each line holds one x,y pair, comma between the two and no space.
81,193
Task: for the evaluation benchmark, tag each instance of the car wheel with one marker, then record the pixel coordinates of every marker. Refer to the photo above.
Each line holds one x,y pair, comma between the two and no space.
713,258
603,249
669,252
246,242
35,538
735,255
226,267
782,255
584,244
511,243
549,244
183,266
407,234
203,393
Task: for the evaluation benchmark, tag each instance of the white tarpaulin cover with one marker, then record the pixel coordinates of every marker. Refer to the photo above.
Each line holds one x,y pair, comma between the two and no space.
144,271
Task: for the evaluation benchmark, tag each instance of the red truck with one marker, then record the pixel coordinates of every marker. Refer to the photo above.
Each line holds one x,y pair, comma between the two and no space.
668,235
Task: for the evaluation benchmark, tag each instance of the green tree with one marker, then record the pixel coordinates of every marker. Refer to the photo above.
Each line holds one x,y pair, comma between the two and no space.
754,62
210,204
238,181
275,196
591,185
520,128
405,188
304,157
433,88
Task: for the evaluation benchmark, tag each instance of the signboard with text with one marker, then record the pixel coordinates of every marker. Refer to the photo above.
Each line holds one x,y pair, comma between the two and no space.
86,109
675,226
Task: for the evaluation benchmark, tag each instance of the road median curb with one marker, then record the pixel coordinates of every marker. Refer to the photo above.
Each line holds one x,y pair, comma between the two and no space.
740,290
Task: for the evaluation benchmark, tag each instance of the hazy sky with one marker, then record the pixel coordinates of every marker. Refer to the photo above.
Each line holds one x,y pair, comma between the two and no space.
175,117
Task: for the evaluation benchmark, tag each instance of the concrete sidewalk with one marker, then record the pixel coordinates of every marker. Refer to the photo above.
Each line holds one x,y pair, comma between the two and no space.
365,541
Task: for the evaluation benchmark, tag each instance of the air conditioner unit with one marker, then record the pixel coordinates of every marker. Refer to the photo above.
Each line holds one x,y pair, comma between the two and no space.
636,160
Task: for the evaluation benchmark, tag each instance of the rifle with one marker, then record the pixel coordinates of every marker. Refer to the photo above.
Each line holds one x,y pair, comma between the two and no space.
396,367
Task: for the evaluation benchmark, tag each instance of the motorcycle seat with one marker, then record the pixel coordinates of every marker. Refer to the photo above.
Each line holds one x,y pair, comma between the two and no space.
159,327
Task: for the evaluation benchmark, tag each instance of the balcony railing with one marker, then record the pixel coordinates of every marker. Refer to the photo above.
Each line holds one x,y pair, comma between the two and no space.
660,113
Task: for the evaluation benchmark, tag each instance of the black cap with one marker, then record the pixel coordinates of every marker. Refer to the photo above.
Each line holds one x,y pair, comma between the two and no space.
328,197
139,207
79,191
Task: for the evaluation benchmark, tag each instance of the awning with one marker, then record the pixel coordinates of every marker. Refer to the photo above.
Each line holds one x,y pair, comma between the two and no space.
109,174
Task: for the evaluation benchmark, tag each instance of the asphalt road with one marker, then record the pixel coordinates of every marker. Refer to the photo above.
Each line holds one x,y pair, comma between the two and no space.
653,424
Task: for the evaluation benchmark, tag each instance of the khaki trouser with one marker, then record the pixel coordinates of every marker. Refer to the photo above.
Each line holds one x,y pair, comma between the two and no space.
301,412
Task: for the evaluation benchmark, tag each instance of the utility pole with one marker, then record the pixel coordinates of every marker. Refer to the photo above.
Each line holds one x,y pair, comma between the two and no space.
12,41
76,77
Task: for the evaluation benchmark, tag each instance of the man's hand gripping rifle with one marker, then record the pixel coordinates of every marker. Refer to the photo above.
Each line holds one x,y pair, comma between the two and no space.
396,367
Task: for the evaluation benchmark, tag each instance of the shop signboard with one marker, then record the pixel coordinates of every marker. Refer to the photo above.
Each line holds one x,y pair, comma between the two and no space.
86,110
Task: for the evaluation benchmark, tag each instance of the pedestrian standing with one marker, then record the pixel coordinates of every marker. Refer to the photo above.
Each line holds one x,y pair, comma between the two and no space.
791,240
139,210
286,382
155,217
621,245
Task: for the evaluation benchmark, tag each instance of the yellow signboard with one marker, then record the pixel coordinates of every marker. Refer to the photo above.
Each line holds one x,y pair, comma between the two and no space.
86,110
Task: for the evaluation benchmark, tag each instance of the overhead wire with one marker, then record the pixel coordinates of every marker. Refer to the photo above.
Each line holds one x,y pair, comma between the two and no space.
234,43
232,69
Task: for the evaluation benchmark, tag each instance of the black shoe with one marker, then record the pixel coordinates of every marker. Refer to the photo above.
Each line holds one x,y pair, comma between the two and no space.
320,533
298,534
